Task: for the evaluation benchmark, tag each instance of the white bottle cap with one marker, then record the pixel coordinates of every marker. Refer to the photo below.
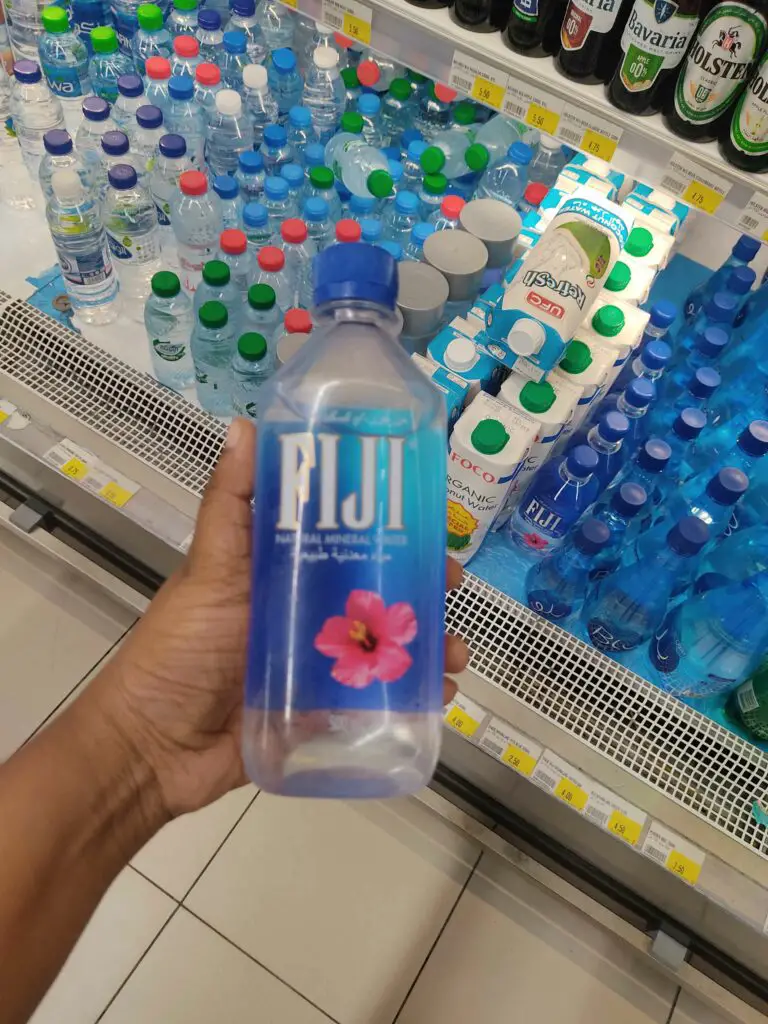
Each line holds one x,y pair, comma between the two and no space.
547,142
255,76
325,57
66,185
526,337
460,355
228,102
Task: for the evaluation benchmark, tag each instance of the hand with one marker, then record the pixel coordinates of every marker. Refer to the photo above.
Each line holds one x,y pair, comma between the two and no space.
175,688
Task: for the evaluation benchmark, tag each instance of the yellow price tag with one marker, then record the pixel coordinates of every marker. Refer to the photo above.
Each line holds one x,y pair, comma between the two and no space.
519,760
765,236
572,794
683,867
291,3
624,827
3,416
75,468
462,722
702,197
539,117
357,29
598,145
487,92
115,494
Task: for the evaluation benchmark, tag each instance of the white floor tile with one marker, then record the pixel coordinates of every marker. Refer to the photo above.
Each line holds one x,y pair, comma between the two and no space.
193,976
178,853
125,923
342,901
53,628
511,949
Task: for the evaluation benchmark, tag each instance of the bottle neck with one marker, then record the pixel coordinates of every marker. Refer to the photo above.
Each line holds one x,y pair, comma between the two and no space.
613,520
569,478
599,444
639,369
356,311
630,411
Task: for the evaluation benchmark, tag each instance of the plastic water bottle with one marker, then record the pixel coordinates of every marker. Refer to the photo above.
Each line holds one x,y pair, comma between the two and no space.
371,230
250,176
130,96
156,82
299,131
681,439
746,454
556,584
307,37
607,438
59,155
369,108
363,170
548,161
347,231
294,175
555,499
431,195
168,320
107,63
379,74
299,251
207,87
259,101
414,250
636,403
317,218
271,270
401,217
278,201
506,180
210,36
172,161
228,191
397,109
95,124
352,90
497,135
277,25
624,610
233,250
663,315
357,207
63,58
650,363
152,39
698,390
648,469
720,310
707,350
213,341
256,225
35,111
261,312
217,284
274,148
321,184
394,249
314,156
195,219
234,60
186,56
81,249
185,117
742,254
412,169
447,217
285,82
182,20
714,504
433,112
228,133
244,20
130,220
251,368
86,15
399,728
621,514
114,150
453,154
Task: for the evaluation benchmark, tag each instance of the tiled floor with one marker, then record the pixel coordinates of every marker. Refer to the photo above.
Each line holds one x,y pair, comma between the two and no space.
297,912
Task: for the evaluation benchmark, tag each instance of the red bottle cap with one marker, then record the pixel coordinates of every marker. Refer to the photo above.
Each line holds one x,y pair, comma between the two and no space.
445,93
158,68
233,242
205,74
348,231
193,183
271,258
293,230
368,73
343,41
535,193
452,206
186,46
297,321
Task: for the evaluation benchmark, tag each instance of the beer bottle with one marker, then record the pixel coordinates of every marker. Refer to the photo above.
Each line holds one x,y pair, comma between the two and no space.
534,26
728,43
747,705
744,136
589,38
653,44
483,15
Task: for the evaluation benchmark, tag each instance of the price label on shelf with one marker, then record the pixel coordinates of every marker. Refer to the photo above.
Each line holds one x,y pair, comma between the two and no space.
463,715
350,18
510,746
7,409
291,3
115,489
615,815
478,80
538,109
754,217
71,460
676,854
79,464
701,189
589,132
562,780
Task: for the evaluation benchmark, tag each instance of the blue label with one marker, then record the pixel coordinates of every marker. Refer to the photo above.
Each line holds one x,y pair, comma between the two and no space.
118,248
543,527
528,8
546,603
85,268
63,81
87,15
162,216
604,638
349,563
126,26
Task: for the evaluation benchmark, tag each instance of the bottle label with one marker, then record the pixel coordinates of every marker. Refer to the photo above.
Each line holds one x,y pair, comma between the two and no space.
664,649
349,559
475,495
87,15
163,214
543,528
655,38
63,81
604,638
749,127
546,603
126,25
721,59
747,698
170,351
85,269
585,16
124,247
528,10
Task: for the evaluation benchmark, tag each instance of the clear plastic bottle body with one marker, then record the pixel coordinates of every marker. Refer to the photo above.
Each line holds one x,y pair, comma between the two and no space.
260,104
497,135
196,221
64,62
35,111
248,380
234,60
248,24
285,82
185,117
163,183
550,158
212,355
325,97
182,21
228,133
51,163
126,22
130,220
150,43
169,325
277,24
104,69
211,42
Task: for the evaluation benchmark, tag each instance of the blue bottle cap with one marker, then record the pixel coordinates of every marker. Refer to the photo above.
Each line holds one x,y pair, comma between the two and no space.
130,85
406,202
370,229
704,382
369,104
95,108
172,145
415,149
391,152
395,171
690,423
209,21
688,536
710,581
57,142
180,87
293,174
656,355
520,153
746,248
727,486
114,143
149,116
394,249
712,341
255,215
250,161
740,280
343,193
275,135
245,8
122,176
225,186
276,188
754,439
592,536
628,500
283,59
236,42
663,313
316,209
362,205
300,117
314,154
613,425
411,135
355,271
581,461
640,392
721,308
421,232
654,455
27,71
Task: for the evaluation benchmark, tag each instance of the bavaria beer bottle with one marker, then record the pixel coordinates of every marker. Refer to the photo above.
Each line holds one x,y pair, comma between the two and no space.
589,38
482,15
534,26
744,136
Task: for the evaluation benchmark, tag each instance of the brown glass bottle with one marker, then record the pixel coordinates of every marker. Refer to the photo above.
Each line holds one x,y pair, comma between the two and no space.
482,15
589,38
534,26
744,136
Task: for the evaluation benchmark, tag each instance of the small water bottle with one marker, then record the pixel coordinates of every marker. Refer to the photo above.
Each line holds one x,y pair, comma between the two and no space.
152,38
555,585
414,250
130,96
234,60
126,22
317,218
196,220
314,156
347,230
697,392
59,155
186,56
259,101
278,202
396,111
228,191
274,148
171,163
549,160
433,111
158,74
359,207
213,342
210,36
361,169
95,124
271,270
233,250
299,251
130,220
506,181
401,217
447,217
294,175
244,20
182,20
379,74
621,515
378,622
299,131
63,58
352,91
228,133
651,363
371,230
251,368
81,249
277,24
168,320
185,117
86,15
114,151
207,87
256,225
262,313
217,284
324,93
35,111
146,139
107,63
307,37
431,194
285,82
250,176
322,185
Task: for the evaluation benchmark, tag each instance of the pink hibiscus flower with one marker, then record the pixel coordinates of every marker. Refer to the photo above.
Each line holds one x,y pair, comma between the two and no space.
367,642
533,540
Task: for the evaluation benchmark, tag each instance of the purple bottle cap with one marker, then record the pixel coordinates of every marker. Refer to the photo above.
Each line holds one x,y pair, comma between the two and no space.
592,536
149,116
209,21
654,455
640,392
172,146
663,313
114,143
704,382
690,423
740,280
727,486
711,342
130,85
581,461
27,71
721,308
628,500
688,536
754,439
57,142
95,108
122,176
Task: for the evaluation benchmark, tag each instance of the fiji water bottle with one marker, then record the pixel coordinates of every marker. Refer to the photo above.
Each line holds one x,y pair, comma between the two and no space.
285,82
244,20
228,133
210,36
647,469
720,309
234,60
344,690
170,164
707,349
697,392
650,363
251,369
606,438
742,254
226,188
260,104
107,63
63,58
317,218
714,503
152,38
158,73
256,225
681,439
196,221
556,584
621,516
250,176
213,342
168,320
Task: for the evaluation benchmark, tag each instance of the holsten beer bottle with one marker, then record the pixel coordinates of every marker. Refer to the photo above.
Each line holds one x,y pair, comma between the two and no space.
729,41
482,15
653,43
744,137
588,38
534,26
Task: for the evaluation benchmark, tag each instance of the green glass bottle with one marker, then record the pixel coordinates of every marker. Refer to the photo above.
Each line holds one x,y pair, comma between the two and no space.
748,704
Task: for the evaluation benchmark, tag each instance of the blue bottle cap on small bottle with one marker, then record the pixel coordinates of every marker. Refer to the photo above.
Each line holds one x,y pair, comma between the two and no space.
293,174
95,108
740,280
245,8
394,249
283,59
225,186
370,229
300,117
663,313
180,87
581,461
172,145
130,85
149,116
592,536
721,308
690,423
250,161
656,355
628,499
369,104
315,209
520,153
114,143
421,232
275,135
395,171
613,425
705,381
356,271
640,392
688,536
415,149
314,154
746,248
727,486
362,205
236,42
406,202
654,455
209,21
27,71
255,215
276,188
122,176
754,438
57,142
711,342
411,135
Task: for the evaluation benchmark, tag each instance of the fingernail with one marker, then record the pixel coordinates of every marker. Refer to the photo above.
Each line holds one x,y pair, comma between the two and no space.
234,434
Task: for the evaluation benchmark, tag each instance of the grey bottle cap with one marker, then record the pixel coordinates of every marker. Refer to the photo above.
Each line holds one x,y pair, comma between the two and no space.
287,347
495,224
460,258
421,297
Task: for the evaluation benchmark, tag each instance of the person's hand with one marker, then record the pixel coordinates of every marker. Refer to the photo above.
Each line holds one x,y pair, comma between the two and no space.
175,688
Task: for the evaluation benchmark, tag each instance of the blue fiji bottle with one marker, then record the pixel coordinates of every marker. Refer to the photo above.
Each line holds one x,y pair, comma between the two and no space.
344,681
681,438
740,555
707,349
713,503
721,310
624,610
606,439
663,315
698,390
648,469
650,362
743,252
636,402
621,515
555,585
750,447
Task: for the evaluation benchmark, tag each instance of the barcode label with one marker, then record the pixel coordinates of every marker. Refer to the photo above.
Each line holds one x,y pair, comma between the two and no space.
538,109
754,217
700,188
562,779
596,815
477,79
750,223
546,780
594,134
614,814
333,18
489,744
655,854
676,854
569,135
512,747
513,108
673,185
350,17
461,83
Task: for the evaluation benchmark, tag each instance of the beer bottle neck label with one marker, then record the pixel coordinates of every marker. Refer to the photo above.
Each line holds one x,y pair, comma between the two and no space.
584,18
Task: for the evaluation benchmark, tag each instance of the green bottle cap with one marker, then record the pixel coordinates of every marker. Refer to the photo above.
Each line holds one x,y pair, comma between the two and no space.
639,243
489,437
416,77
350,79
165,284
380,184
464,113
216,273
185,5
251,346
577,358
150,17
103,39
537,397
432,160
55,19
608,321
400,88
213,314
619,277
477,157
352,122
435,184
321,177
261,296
